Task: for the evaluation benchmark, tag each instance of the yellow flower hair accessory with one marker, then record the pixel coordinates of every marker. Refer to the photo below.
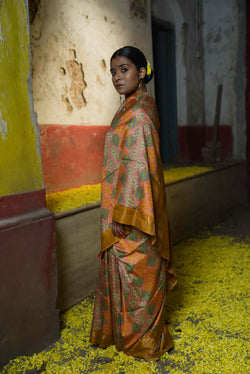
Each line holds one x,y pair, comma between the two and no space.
149,70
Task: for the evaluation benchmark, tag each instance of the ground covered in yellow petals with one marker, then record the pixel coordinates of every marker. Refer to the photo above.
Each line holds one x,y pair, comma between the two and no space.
76,197
73,198
176,174
207,316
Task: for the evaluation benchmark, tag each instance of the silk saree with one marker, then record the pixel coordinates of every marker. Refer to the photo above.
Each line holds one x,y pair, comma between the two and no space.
137,271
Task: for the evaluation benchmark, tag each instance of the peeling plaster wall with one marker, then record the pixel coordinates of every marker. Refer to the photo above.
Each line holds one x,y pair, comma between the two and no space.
224,45
72,41
20,161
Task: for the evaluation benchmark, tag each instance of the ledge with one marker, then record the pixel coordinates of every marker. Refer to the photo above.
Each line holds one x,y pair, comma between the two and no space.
193,202
216,168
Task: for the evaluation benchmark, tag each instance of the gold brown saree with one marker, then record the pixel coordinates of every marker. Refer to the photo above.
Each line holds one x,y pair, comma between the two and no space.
135,272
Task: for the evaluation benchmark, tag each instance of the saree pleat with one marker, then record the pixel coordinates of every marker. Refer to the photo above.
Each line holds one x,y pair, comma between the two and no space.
130,299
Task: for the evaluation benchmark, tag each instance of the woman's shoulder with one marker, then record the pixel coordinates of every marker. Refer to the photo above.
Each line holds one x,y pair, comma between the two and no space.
143,102
145,98
144,112
148,106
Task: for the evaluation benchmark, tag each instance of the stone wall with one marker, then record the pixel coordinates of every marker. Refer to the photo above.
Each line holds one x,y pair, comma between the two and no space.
72,42
29,319
210,47
224,51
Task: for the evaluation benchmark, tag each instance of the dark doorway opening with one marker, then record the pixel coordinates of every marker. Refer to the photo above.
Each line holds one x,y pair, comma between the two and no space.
165,86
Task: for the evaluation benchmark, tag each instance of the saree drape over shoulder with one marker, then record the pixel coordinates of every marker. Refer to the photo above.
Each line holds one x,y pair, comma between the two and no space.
135,272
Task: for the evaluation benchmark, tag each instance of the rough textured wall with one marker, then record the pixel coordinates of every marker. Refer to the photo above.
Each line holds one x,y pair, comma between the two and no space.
224,46
170,11
239,120
20,162
186,19
193,58
210,47
72,41
28,271
218,33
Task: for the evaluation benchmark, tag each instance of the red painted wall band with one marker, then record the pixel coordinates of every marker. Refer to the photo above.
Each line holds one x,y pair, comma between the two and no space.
192,138
22,203
71,155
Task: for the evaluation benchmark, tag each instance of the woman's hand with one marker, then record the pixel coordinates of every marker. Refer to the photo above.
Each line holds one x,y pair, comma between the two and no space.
118,230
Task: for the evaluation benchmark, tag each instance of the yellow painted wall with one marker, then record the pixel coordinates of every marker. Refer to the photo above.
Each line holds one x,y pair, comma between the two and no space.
20,161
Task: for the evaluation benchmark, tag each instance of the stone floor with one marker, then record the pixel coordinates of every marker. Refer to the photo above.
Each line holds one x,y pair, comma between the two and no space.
237,223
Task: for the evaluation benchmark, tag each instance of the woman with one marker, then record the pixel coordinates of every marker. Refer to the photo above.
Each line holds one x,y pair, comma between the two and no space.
136,248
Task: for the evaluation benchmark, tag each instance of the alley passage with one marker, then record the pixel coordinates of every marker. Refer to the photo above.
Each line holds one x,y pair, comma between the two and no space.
206,313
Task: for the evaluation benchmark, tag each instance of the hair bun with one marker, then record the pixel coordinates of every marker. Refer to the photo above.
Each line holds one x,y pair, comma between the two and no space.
149,76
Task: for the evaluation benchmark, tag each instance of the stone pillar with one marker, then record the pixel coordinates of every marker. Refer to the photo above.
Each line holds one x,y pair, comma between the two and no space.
28,275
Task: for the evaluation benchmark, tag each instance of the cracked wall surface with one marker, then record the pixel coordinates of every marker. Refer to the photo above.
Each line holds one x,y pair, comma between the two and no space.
74,98
72,42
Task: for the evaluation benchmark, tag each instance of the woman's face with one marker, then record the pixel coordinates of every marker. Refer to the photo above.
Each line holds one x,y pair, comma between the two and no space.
125,76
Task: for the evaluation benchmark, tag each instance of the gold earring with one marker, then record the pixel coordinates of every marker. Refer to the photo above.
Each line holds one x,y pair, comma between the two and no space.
140,86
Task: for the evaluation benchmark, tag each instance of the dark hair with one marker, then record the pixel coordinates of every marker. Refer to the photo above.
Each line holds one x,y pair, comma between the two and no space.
135,56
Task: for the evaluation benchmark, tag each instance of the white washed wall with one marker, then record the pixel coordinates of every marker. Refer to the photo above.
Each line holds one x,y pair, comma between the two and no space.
224,56
87,32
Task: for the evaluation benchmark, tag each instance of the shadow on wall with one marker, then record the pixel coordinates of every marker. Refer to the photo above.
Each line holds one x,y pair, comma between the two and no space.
33,8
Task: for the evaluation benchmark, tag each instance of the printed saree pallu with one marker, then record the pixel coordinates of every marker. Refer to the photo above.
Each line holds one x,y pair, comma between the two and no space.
135,272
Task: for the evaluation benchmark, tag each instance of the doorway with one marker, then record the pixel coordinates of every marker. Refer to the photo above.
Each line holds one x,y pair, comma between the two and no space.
163,35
